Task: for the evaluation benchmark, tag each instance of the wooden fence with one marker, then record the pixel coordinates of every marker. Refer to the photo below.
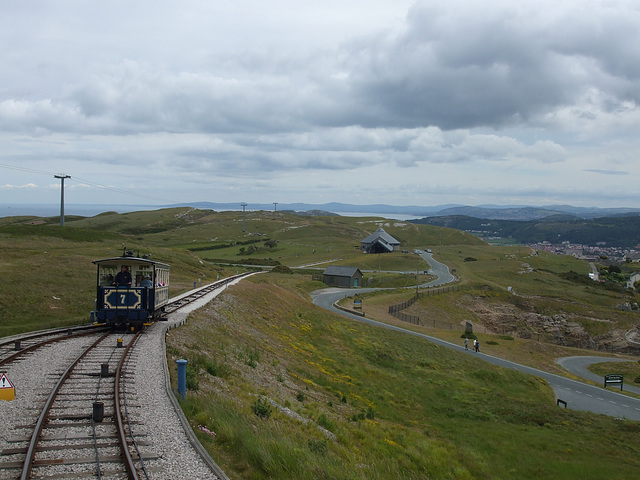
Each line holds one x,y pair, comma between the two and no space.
397,310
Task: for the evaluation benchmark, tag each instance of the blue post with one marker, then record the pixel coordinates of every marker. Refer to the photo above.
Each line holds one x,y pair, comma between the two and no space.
182,378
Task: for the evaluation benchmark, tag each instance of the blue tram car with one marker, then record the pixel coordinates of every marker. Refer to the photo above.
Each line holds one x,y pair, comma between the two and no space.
131,291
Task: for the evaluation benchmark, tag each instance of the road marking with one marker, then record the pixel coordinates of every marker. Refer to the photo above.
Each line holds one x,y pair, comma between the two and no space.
601,399
610,401
588,395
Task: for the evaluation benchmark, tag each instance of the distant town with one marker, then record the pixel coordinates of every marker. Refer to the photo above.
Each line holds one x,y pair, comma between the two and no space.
596,253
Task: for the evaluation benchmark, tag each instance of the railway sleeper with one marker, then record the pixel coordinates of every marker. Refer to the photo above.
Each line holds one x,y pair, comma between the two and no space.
78,461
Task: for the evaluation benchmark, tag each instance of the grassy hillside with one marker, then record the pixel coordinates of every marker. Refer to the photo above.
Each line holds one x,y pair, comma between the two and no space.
291,391
47,261
49,277
617,231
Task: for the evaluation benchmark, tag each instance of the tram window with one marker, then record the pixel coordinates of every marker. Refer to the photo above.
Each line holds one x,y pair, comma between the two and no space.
107,275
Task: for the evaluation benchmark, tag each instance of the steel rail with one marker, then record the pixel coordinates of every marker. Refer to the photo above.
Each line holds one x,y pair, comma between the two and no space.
44,333
134,443
35,346
31,450
192,297
127,459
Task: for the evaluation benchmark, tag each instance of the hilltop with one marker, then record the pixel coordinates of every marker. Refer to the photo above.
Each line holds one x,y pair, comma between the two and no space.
620,231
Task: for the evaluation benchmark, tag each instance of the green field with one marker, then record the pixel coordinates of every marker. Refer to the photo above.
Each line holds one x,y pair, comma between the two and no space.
292,391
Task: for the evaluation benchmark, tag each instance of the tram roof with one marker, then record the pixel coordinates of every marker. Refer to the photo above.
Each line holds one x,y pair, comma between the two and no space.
131,260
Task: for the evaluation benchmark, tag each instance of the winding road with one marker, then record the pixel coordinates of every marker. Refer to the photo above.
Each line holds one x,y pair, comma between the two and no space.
576,394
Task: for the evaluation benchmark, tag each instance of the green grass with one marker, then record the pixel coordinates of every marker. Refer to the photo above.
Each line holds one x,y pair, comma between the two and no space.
370,403
49,279
433,413
629,370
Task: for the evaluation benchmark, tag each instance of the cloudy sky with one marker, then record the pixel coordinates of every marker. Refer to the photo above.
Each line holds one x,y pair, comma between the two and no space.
356,101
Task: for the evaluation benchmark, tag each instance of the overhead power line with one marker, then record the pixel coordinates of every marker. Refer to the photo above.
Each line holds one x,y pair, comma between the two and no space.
89,182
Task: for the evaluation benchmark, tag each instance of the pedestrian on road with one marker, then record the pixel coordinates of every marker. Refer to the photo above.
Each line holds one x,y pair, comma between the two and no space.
475,342
466,344
477,346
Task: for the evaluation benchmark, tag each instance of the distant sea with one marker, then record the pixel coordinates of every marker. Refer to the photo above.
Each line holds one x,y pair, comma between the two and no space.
53,210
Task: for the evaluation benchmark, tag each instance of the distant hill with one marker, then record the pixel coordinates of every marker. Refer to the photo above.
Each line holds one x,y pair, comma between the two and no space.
620,231
524,213
493,212
516,212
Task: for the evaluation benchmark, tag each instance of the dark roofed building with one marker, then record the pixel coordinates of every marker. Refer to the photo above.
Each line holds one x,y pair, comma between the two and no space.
379,242
347,277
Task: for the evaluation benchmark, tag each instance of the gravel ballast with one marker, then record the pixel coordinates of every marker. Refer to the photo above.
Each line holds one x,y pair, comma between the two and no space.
161,420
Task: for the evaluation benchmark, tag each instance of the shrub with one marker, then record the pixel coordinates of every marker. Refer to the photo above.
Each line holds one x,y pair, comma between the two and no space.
192,379
262,408
358,416
325,422
281,269
318,446
250,357
300,397
216,369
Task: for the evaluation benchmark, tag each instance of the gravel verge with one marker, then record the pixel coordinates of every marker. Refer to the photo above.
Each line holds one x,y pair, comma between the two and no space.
182,455
161,419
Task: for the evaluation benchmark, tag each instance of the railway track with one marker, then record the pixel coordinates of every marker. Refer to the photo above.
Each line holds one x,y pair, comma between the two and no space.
197,294
81,427
81,420
20,345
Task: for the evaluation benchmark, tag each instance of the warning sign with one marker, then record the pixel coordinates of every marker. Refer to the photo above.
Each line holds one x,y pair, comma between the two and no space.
7,392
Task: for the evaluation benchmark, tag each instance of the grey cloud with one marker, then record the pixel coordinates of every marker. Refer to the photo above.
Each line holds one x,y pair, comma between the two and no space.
476,64
607,172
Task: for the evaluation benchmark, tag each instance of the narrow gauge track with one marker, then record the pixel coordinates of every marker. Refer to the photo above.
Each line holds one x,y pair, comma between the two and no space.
72,435
67,440
19,345
199,293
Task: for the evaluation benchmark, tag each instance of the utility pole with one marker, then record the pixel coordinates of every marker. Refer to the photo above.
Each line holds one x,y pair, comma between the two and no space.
243,205
61,176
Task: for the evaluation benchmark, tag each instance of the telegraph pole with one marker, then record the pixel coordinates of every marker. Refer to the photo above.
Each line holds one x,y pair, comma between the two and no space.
243,205
61,176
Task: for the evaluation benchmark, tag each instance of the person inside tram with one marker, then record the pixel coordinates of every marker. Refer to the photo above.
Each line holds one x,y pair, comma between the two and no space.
123,278
146,282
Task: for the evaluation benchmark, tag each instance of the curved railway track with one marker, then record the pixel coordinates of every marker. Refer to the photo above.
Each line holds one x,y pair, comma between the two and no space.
85,424
20,345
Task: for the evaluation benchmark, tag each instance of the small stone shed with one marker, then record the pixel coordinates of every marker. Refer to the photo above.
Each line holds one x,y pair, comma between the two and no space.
345,277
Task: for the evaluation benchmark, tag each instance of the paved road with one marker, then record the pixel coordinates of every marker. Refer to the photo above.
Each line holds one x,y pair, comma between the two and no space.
578,395
578,366
441,271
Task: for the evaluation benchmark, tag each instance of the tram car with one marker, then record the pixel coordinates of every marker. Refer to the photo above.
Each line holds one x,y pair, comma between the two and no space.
131,291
